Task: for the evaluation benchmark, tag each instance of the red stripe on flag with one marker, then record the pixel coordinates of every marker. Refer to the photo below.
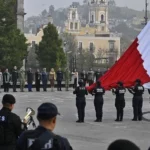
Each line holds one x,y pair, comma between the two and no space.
128,68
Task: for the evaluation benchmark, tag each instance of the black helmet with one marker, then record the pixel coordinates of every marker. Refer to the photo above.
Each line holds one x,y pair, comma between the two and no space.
120,83
138,81
80,82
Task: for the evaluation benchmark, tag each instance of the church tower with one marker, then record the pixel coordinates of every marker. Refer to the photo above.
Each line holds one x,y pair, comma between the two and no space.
73,23
20,15
98,17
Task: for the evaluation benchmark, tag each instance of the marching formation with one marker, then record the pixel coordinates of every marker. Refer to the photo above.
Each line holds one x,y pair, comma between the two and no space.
137,102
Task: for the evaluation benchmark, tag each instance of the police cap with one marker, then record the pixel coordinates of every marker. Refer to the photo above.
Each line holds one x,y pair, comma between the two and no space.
47,111
138,80
8,99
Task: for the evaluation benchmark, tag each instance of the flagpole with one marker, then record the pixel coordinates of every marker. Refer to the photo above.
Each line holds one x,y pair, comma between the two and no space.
146,12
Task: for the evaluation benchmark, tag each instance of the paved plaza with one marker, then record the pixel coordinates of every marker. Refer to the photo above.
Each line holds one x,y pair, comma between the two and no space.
90,135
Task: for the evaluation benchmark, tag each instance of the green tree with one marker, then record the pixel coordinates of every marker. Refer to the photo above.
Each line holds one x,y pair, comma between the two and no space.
50,52
13,47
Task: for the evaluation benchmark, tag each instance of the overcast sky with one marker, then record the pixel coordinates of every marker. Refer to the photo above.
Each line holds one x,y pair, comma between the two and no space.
34,7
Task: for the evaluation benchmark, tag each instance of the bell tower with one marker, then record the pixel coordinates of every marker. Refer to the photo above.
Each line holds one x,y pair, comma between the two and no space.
73,23
98,17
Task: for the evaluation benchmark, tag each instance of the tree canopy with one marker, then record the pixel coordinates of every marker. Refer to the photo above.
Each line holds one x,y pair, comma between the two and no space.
50,52
13,47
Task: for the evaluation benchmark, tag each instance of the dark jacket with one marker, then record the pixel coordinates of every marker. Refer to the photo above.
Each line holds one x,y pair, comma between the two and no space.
80,92
59,76
29,77
14,75
98,92
37,77
30,136
6,77
120,93
83,76
11,128
98,75
44,77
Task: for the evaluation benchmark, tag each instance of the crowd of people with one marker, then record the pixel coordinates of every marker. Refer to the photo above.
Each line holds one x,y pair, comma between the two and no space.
43,77
15,136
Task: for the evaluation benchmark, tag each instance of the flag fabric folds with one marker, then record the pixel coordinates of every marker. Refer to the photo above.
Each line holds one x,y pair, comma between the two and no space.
134,64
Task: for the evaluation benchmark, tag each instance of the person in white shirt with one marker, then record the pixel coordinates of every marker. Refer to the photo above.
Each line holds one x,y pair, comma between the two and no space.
75,73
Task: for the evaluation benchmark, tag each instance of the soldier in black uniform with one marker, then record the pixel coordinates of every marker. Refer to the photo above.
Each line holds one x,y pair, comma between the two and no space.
98,74
83,76
120,100
14,78
10,124
137,102
37,80
43,137
80,92
6,80
98,101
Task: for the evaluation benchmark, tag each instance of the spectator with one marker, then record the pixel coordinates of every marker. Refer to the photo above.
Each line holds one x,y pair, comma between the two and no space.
123,145
52,78
43,137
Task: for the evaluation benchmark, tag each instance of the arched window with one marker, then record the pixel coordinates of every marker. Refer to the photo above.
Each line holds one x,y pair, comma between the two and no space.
102,18
92,18
73,15
76,26
71,25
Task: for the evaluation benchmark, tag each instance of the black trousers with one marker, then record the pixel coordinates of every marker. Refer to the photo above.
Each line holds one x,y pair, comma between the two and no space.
90,82
137,108
44,85
38,86
59,85
75,83
98,109
120,112
14,86
80,104
6,87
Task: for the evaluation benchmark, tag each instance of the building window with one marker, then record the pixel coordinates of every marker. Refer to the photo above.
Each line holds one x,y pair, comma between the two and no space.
80,45
73,15
92,18
111,46
102,18
33,43
91,47
71,25
76,26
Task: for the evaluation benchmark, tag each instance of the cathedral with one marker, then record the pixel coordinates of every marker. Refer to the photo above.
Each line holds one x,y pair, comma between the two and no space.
95,35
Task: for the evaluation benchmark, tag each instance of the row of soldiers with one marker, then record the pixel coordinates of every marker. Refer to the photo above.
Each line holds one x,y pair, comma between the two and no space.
44,77
137,102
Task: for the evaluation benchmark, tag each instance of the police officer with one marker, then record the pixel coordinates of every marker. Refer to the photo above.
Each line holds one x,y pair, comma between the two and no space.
120,100
80,92
43,137
137,102
98,101
10,124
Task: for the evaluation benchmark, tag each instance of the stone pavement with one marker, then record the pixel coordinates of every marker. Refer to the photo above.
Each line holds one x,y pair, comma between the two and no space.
90,135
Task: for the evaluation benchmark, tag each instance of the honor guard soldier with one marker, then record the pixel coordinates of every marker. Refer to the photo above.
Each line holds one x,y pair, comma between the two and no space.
37,80
98,74
120,100
98,101
10,124
137,101
14,78
80,92
6,80
83,76
43,138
